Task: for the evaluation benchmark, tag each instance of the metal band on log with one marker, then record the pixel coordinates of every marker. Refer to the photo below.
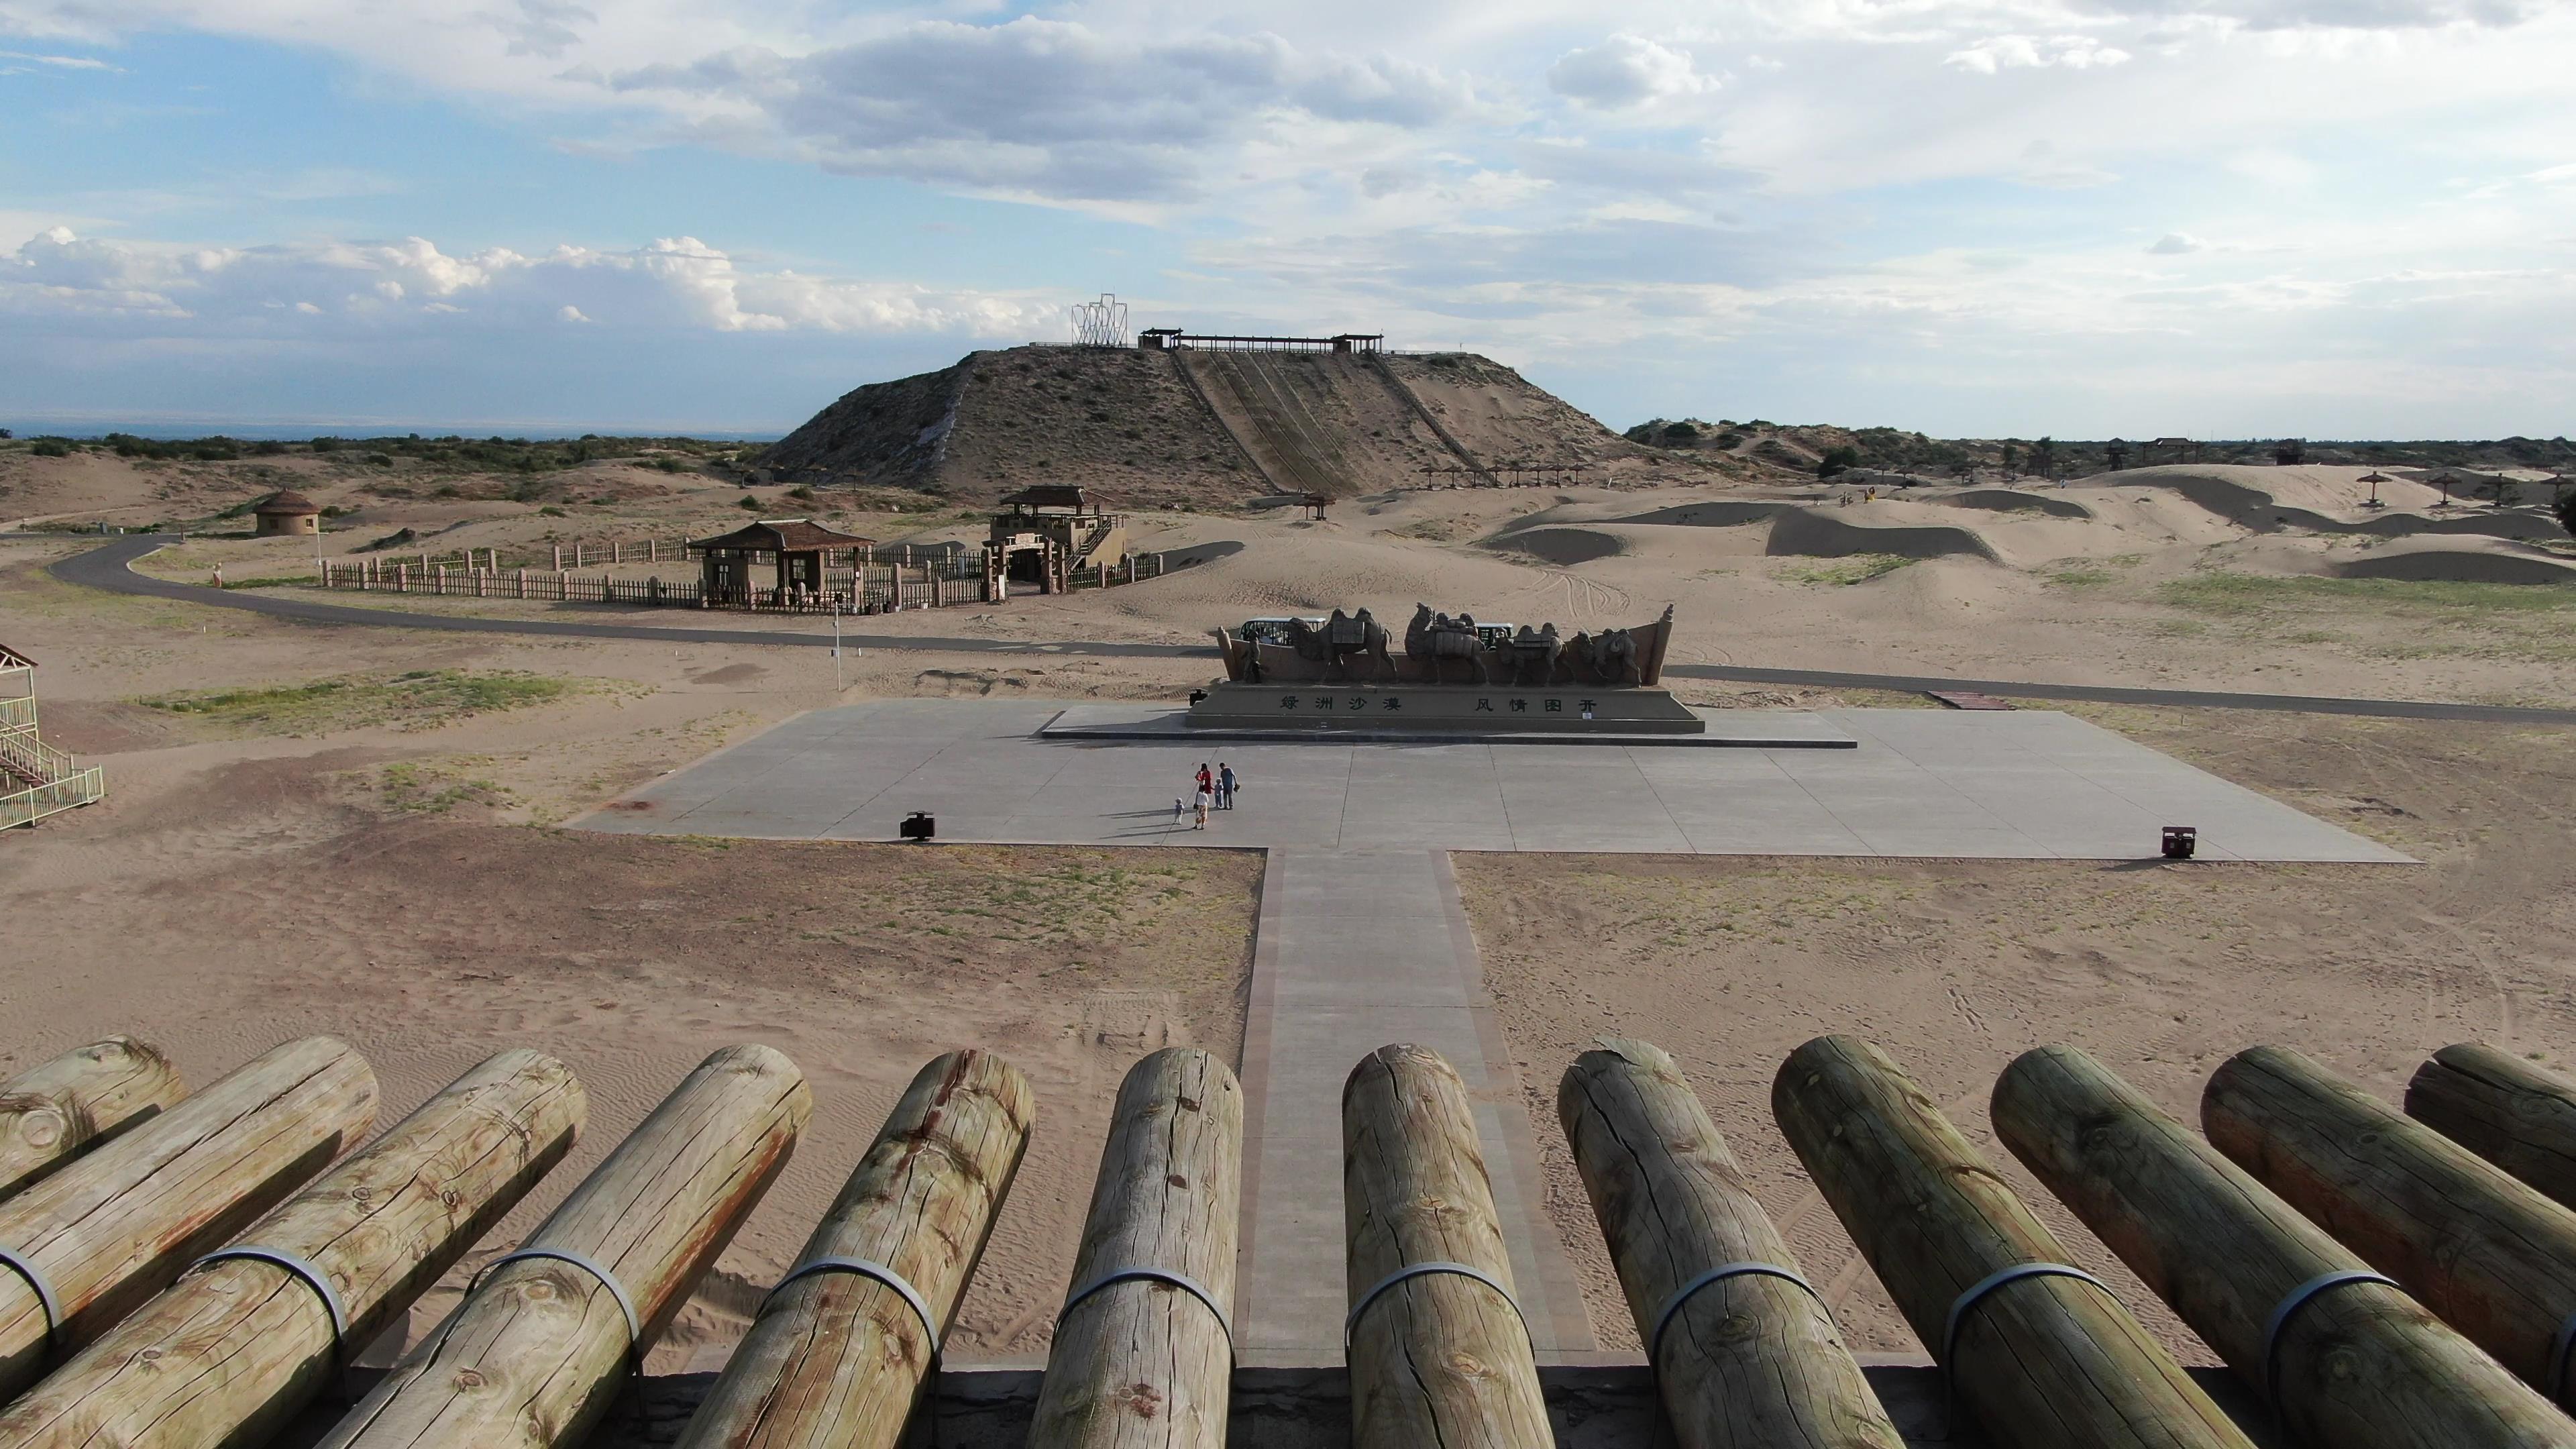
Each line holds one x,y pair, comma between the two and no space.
537,1352
1743,1356
2488,1253
59,1109
839,1357
2043,1359
1141,1360
115,1227
240,1344
1440,1357
2504,1109
2344,1357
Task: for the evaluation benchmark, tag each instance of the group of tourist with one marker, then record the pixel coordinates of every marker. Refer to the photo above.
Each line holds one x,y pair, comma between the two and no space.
1214,792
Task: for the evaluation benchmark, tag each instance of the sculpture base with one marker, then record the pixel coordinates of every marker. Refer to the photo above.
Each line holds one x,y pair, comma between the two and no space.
1442,708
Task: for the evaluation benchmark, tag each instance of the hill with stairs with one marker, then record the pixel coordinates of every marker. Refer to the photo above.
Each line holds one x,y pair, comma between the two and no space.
1195,426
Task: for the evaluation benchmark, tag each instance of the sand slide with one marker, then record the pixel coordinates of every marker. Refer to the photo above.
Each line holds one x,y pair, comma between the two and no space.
1818,533
2464,563
2006,500
1315,422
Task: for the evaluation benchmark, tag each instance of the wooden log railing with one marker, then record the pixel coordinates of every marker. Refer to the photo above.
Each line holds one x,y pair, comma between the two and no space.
57,1110
107,1232
1744,1353
2343,1356
1441,1356
539,1349
241,1343
2506,1110
2487,1252
1143,1356
2040,1354
841,1352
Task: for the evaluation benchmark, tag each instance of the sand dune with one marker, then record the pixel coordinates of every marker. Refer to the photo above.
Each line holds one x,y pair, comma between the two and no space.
2007,500
1820,533
2459,563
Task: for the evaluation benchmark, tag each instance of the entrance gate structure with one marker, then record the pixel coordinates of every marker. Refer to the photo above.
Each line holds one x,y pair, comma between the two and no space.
1048,536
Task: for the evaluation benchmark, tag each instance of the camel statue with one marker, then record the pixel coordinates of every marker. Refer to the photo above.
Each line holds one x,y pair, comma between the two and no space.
1432,638
1533,655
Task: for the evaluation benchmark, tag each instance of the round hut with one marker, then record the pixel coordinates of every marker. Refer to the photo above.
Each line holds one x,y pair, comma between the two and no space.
287,512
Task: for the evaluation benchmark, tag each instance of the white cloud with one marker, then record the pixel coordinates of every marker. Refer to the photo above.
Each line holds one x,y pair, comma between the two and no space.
1045,107
2174,244
2031,52
680,284
1626,70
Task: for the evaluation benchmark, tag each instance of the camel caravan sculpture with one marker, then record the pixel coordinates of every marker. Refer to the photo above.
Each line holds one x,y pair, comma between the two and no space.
1354,648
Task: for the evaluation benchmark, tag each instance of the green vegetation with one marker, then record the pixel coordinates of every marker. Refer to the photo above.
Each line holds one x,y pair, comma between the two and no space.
420,699
2079,578
413,788
1859,568
2214,591
1838,461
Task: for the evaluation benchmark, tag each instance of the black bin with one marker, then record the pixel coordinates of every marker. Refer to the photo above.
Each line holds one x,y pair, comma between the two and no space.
918,826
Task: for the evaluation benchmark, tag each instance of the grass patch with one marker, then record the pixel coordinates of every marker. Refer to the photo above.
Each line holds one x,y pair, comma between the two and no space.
2078,578
1859,568
412,788
2215,591
421,699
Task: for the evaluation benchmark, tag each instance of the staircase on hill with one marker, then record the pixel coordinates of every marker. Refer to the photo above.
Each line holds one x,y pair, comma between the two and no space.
36,780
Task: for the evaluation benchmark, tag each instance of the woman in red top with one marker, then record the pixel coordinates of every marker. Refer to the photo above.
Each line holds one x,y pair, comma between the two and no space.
1207,782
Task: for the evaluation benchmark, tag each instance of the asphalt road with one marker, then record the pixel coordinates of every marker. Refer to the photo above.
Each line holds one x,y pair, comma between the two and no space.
106,568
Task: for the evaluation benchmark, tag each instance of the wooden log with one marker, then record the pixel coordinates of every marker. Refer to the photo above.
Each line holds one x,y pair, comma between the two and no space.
240,1345
2504,1109
53,1112
2488,1253
115,1227
2042,1361
1144,1363
836,1358
1438,1358
538,1351
1747,1361
2359,1364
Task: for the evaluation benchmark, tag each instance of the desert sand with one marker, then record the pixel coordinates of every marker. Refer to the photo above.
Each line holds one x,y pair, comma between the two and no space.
329,853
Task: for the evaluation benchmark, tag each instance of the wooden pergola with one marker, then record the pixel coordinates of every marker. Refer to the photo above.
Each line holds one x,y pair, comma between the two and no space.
798,547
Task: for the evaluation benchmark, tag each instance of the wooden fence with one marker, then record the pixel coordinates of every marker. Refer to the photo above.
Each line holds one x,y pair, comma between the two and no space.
937,581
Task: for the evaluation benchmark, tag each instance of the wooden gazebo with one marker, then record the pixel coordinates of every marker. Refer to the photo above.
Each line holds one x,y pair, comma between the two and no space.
798,547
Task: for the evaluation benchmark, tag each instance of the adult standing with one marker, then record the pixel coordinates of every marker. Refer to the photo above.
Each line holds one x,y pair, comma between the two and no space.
1203,799
1224,786
1207,782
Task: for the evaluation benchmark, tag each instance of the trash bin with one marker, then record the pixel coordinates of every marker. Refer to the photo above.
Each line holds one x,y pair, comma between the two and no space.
918,826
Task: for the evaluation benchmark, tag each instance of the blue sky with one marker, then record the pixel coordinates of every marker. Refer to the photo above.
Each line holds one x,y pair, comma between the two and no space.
1978,217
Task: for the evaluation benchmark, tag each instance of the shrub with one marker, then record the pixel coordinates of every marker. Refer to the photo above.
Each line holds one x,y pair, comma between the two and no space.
2565,508
800,491
668,464
381,460
51,448
268,449
550,512
1680,433
749,502
326,445
1838,460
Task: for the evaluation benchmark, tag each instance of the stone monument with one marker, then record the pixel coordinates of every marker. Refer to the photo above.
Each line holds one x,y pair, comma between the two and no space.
1347,673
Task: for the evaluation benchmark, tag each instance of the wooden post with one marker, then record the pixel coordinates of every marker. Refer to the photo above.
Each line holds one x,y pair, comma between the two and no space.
577,555
838,1359
1438,1358
2042,1361
114,1228
617,550
240,1345
1145,1361
1745,1362
558,558
2504,1109
2359,1365
2488,1253
536,1353
519,585
53,1112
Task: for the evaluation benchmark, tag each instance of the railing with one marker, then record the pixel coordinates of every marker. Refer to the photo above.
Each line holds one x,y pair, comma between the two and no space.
937,581
29,806
18,713
33,760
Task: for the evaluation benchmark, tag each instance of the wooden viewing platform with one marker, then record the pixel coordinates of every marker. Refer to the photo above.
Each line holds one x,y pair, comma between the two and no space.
173,1287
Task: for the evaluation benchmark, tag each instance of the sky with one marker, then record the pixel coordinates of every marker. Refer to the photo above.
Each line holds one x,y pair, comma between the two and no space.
2086,218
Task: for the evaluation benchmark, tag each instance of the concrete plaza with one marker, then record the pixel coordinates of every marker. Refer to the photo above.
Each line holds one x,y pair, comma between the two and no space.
1362,938
2014,784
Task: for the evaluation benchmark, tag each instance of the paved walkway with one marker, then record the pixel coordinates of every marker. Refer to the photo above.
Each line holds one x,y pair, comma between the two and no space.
105,568
1359,949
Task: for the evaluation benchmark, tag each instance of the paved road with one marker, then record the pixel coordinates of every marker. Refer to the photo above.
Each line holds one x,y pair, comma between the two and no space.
106,568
